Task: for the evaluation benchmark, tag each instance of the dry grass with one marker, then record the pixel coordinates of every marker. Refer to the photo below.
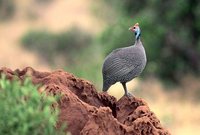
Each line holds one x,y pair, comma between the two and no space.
57,16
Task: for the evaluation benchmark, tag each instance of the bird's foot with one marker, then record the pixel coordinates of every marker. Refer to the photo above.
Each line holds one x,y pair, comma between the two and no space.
129,95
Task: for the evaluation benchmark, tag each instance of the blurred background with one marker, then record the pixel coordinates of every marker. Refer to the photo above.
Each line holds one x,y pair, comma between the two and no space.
76,35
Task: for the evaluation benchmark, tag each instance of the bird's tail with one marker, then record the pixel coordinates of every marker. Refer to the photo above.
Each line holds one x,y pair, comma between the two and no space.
106,86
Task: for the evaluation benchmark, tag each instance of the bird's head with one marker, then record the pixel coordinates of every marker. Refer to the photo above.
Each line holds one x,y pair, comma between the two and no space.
136,29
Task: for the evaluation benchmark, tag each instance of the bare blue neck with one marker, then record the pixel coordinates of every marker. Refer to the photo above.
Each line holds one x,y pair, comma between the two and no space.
137,33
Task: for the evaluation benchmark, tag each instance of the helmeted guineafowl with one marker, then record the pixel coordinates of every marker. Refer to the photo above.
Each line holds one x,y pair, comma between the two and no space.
124,64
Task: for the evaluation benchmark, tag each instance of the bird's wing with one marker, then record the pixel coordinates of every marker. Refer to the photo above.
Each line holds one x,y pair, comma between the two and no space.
117,66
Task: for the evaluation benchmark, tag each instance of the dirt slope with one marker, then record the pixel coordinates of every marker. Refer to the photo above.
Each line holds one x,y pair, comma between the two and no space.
90,113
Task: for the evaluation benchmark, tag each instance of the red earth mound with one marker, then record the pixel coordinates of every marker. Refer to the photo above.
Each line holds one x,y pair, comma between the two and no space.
88,112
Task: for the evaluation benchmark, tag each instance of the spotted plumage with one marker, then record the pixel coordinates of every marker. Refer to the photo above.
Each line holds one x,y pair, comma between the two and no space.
124,64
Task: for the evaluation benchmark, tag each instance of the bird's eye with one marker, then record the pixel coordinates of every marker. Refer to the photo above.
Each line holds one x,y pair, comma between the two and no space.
133,27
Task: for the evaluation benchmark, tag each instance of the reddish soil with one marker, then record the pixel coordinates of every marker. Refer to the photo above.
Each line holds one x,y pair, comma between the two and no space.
88,112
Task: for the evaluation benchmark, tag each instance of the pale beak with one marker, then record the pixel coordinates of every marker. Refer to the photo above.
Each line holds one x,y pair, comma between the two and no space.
131,29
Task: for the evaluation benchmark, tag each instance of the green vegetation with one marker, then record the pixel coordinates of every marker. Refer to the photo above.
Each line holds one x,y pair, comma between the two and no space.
7,9
25,111
170,33
74,50
52,47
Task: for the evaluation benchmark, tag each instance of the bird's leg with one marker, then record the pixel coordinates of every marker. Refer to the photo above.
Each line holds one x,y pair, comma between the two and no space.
125,90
